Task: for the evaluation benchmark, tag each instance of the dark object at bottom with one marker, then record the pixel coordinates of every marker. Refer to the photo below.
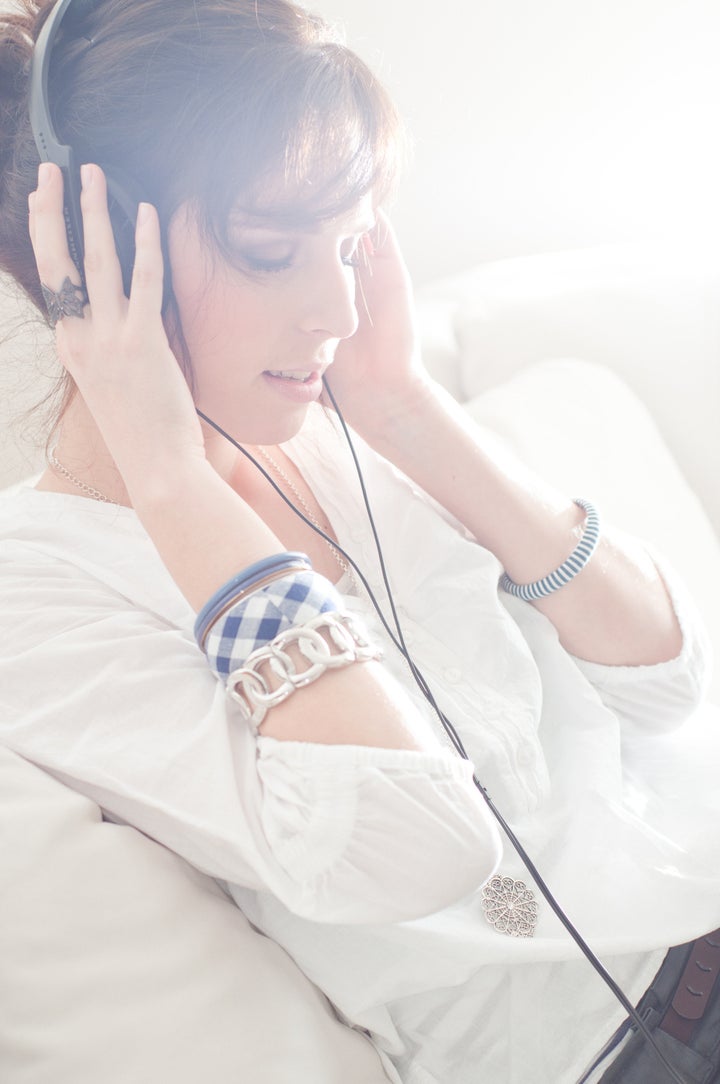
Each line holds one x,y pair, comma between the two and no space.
682,1009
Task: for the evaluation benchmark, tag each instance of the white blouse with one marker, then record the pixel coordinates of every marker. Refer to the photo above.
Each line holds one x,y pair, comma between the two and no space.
363,862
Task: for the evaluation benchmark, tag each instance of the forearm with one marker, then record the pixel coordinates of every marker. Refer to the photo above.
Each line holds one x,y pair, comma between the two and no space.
205,534
358,705
617,611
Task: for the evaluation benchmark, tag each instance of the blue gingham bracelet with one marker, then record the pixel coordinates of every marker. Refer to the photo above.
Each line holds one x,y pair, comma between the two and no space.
290,599
575,563
250,579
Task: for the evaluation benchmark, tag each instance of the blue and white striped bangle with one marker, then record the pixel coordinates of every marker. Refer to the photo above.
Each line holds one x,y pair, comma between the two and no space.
567,571
260,616
250,579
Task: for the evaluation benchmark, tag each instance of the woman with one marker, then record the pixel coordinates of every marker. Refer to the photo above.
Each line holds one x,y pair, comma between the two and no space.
338,813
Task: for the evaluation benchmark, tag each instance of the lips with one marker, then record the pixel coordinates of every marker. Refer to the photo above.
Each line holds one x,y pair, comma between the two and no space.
302,375
298,385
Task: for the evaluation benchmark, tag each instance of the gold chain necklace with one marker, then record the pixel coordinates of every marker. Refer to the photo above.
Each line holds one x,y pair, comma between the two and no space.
277,469
96,495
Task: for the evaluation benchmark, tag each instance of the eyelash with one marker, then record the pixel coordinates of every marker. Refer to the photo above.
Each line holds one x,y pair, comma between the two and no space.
270,266
276,266
353,259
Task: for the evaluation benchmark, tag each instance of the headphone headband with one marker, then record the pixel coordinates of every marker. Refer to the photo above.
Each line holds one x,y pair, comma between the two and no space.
121,188
49,146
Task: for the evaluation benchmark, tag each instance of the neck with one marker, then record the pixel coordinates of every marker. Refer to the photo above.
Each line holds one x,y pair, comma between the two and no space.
82,451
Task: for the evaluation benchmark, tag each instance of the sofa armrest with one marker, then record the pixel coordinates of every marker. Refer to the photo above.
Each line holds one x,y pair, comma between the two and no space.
650,313
120,962
582,427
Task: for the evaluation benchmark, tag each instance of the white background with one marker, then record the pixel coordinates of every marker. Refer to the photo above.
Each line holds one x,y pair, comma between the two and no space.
538,125
546,124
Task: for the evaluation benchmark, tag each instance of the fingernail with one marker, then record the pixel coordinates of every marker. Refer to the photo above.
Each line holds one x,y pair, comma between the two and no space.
44,173
86,175
31,200
143,214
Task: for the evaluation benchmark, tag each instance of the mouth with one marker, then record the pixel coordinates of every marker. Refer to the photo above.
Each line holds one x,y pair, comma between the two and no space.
298,385
303,376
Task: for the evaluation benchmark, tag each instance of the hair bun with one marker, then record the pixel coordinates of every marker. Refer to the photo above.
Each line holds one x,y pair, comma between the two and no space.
18,153
16,46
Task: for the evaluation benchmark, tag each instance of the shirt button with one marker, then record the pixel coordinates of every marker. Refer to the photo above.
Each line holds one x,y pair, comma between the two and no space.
358,534
452,674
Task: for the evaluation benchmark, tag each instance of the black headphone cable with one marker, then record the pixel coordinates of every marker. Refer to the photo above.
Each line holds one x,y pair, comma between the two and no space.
398,639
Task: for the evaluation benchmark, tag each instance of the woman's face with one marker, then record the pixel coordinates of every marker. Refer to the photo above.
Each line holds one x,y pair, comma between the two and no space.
260,340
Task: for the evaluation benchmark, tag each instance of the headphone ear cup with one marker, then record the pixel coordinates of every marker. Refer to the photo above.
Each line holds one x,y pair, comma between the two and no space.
124,196
123,199
124,231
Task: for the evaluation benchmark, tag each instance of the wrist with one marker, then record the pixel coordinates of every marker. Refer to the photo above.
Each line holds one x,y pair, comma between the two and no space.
164,483
400,416
202,529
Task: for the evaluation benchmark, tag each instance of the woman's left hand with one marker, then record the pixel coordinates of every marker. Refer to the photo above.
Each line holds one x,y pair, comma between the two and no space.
377,374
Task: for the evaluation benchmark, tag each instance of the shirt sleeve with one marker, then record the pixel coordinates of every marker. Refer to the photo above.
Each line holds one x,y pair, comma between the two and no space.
120,704
662,696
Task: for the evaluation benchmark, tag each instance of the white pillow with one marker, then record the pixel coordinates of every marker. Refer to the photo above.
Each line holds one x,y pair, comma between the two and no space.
27,374
121,964
650,312
582,428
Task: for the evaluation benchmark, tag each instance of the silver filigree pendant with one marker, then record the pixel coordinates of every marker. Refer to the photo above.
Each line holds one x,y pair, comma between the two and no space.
510,906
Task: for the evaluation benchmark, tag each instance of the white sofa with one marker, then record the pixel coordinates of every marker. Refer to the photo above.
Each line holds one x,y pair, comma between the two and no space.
601,368
120,963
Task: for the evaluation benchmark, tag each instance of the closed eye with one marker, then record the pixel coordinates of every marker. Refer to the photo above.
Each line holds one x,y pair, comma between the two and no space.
355,257
258,260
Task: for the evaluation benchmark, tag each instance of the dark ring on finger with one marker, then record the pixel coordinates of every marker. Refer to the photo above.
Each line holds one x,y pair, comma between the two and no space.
68,301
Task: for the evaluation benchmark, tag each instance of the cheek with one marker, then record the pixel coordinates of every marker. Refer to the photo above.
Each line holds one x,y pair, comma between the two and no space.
223,317
224,325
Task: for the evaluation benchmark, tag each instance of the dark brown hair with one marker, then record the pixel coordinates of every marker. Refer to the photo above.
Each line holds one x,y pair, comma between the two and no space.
220,102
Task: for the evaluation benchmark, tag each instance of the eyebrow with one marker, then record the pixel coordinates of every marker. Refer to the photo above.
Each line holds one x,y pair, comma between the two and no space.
260,220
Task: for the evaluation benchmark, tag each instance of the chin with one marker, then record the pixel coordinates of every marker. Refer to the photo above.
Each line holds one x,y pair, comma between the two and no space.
265,428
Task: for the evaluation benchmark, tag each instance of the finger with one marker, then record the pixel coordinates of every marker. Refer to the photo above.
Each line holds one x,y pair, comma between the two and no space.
47,231
31,218
103,275
387,272
146,290
382,236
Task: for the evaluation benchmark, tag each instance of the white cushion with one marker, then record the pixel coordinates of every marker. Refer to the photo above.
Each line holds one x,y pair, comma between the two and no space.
120,964
27,374
581,427
650,312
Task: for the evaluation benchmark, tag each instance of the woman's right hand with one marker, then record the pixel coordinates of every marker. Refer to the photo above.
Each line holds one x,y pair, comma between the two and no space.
120,358
118,354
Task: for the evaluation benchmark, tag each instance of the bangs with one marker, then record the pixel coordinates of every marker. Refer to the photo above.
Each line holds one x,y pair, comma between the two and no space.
346,142
309,146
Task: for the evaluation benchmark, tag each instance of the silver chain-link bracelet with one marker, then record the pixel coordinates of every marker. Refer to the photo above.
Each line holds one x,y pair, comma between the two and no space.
347,643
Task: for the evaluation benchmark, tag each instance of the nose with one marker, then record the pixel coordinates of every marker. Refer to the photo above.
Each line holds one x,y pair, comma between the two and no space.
329,308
